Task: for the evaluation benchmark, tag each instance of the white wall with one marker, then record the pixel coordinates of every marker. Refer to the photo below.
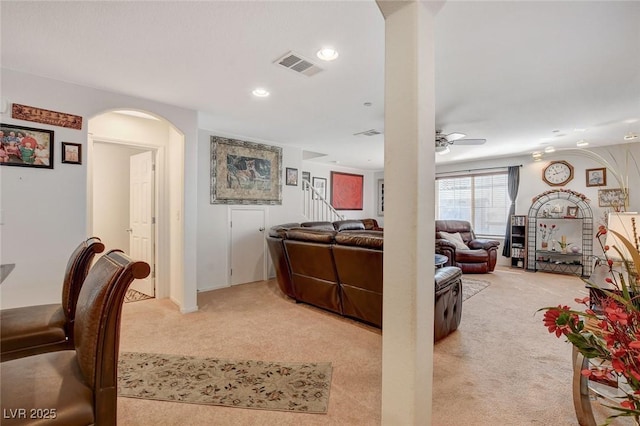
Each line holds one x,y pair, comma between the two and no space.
213,219
44,211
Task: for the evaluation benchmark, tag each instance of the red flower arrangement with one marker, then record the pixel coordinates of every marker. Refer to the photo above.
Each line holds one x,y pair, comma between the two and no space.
612,334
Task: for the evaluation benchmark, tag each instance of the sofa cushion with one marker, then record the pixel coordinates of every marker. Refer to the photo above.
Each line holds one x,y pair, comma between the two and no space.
454,238
347,225
279,231
318,225
311,234
368,239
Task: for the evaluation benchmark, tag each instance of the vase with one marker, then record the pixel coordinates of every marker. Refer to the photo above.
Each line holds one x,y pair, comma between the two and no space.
545,245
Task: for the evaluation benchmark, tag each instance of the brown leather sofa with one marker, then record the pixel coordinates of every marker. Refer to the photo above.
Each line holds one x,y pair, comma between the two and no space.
481,256
341,271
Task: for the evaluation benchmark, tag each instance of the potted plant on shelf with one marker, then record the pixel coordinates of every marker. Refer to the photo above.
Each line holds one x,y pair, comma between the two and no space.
608,329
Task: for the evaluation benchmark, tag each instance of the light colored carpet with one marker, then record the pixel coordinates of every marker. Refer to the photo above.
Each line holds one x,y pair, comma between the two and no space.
471,286
501,367
284,386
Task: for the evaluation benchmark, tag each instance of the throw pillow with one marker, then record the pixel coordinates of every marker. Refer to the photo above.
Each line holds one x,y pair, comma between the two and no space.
455,239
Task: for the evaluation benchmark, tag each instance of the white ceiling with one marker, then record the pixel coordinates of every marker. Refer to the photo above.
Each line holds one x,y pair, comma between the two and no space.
510,72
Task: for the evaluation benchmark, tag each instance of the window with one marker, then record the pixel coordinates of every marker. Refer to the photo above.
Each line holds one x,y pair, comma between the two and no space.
482,200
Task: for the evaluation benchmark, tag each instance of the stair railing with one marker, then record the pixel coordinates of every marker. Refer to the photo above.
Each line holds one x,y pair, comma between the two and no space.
315,208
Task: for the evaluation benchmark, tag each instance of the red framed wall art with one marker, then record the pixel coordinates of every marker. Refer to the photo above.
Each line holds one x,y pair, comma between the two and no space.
346,191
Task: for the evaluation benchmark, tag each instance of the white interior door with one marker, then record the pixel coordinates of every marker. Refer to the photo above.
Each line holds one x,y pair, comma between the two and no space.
141,217
247,246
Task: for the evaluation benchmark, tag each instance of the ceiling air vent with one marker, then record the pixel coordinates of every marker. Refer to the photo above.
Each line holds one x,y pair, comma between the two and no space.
297,63
371,132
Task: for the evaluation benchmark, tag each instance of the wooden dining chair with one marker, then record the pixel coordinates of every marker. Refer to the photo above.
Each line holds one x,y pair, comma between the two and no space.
37,329
78,386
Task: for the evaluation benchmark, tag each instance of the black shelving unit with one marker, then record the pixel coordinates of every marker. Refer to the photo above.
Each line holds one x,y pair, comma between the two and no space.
518,241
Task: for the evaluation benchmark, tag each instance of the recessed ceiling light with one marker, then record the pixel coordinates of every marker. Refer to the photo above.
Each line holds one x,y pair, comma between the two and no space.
261,93
582,143
630,136
549,149
327,54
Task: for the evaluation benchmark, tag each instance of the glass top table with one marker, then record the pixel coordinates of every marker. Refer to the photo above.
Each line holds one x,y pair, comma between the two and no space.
440,260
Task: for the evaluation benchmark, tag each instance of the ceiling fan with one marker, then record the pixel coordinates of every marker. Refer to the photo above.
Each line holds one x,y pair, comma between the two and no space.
444,141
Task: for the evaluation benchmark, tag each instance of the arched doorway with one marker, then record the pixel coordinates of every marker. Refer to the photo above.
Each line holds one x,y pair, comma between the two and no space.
120,134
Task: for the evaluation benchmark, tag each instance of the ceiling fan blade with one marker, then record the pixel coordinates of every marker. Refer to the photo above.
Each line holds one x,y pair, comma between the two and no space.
469,142
454,136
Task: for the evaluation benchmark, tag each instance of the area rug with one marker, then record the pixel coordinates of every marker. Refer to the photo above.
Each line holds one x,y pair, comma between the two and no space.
472,286
134,296
280,386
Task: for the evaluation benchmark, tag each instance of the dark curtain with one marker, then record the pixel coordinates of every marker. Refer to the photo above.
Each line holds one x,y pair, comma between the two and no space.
512,187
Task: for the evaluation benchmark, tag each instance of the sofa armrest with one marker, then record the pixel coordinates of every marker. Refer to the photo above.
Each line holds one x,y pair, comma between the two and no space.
483,244
448,249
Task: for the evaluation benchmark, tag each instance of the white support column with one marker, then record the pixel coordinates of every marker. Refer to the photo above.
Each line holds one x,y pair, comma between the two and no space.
409,173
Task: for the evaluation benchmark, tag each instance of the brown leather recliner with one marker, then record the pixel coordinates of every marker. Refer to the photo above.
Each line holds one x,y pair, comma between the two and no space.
37,329
79,386
481,256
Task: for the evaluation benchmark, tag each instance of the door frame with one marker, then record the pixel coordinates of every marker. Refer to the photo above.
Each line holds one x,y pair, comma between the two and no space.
161,232
265,212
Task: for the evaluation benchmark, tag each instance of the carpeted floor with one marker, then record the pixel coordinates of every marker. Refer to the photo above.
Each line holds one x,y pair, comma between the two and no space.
471,286
501,367
283,386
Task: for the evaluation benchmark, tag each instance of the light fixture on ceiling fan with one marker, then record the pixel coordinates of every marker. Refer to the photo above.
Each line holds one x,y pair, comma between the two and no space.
444,141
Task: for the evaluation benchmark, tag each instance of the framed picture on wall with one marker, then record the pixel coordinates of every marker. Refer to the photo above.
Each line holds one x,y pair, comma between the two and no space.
597,177
71,153
306,176
292,176
346,191
615,198
26,147
320,185
244,172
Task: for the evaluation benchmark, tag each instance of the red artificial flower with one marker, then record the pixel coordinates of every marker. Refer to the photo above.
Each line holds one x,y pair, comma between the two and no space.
635,344
558,320
615,314
628,404
584,300
617,365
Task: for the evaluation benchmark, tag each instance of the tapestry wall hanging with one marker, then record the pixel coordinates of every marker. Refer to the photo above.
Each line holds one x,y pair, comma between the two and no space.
245,172
346,191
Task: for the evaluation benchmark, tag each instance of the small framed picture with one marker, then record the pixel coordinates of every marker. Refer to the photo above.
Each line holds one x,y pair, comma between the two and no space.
292,177
320,185
306,176
597,177
616,198
572,211
71,153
